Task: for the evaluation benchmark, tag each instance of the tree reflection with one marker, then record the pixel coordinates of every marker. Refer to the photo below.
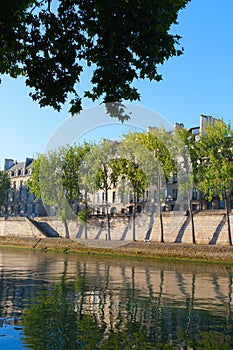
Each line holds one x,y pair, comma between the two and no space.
94,311
51,321
130,336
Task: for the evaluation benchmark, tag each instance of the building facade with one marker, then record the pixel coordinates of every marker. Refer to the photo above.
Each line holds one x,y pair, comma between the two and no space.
19,201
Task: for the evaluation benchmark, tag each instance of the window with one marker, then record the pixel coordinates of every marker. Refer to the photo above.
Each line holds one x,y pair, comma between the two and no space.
195,194
98,197
174,194
174,178
221,204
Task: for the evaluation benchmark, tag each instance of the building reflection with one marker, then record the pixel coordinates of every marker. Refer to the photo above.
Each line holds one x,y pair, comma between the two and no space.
166,299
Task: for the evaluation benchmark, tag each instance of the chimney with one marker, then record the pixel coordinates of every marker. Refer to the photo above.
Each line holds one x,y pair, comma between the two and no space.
178,126
28,161
8,163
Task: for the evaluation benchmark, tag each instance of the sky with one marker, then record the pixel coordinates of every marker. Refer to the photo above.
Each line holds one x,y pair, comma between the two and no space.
198,82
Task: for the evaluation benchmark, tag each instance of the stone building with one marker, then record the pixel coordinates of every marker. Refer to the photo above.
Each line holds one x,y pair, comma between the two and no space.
197,197
20,202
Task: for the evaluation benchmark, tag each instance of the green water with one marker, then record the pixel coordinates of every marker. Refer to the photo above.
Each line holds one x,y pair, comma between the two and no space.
70,301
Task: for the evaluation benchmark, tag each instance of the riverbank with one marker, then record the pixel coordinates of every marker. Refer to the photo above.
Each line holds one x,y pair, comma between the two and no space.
194,252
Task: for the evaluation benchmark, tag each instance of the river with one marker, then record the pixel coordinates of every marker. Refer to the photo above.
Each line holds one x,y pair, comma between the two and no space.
72,301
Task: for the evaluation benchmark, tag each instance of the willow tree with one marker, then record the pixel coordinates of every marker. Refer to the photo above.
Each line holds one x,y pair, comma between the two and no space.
215,165
52,43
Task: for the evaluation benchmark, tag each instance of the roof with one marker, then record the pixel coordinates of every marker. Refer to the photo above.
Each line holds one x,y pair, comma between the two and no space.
21,165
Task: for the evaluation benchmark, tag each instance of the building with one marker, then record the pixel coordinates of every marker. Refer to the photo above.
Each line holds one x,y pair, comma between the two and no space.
20,202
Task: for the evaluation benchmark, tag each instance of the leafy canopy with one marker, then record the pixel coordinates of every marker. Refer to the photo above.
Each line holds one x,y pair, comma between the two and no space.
215,160
4,186
50,42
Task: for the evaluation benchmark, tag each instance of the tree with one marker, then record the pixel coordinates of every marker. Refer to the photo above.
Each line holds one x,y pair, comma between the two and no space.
215,160
187,164
55,179
34,182
47,183
122,169
4,186
155,141
50,42
97,172
73,160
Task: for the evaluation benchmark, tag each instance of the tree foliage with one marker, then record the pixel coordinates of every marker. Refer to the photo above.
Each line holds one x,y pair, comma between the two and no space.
186,153
215,160
4,186
73,160
130,171
50,42
34,182
156,141
97,172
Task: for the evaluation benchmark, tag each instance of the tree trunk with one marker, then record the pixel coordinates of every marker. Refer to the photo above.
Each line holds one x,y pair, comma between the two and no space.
160,211
85,228
191,217
108,216
161,226
228,219
85,224
200,201
66,229
134,217
193,228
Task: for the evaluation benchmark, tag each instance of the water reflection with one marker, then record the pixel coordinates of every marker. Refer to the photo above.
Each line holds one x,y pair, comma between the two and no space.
58,301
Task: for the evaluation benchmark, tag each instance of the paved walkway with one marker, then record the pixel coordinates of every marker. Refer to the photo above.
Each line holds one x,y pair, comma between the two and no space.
99,243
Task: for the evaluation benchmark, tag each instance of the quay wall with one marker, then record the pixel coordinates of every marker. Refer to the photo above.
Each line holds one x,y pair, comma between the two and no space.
210,228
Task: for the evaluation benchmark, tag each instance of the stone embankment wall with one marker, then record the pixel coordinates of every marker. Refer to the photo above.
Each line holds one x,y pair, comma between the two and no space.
210,228
18,226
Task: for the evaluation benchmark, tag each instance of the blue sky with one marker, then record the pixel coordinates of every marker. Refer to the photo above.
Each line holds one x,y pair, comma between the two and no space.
198,82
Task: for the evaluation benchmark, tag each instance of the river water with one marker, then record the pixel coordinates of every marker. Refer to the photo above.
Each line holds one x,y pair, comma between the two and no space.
70,301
